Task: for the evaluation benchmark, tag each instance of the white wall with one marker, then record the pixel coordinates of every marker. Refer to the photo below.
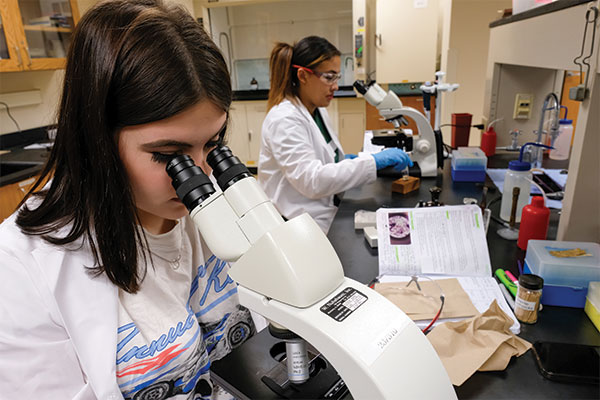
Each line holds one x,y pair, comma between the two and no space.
464,58
514,79
50,85
256,28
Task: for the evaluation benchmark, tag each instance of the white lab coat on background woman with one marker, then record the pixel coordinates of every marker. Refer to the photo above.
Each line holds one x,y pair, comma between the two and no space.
297,167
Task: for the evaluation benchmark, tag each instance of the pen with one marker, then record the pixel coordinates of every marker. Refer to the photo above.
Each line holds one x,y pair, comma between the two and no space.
373,282
507,296
511,276
509,285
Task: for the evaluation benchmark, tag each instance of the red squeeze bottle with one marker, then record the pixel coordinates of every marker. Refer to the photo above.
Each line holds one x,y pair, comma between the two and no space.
488,142
534,222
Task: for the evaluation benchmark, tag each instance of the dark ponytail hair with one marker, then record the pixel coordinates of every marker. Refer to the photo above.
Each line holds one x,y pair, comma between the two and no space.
308,52
130,62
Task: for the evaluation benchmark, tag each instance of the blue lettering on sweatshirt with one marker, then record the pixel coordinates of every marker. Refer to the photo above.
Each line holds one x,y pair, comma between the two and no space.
156,345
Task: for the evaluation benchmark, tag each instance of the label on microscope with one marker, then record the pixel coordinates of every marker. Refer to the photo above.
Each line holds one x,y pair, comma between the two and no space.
344,304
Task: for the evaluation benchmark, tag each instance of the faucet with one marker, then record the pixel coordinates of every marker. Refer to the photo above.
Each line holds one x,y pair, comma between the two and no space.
351,63
538,152
514,142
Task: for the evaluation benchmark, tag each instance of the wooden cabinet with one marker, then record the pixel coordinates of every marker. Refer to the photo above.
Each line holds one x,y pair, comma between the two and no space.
35,35
246,119
12,194
406,40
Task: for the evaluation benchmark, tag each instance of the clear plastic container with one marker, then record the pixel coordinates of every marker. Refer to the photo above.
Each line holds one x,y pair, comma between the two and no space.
571,271
518,174
524,5
562,144
567,270
468,158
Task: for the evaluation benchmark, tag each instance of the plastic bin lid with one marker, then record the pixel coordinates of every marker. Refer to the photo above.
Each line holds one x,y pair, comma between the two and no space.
564,269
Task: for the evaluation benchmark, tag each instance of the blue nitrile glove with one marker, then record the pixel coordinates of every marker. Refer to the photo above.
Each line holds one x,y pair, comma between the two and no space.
349,156
392,157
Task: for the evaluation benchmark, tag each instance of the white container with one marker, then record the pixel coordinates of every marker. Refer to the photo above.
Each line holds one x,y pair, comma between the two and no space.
524,5
562,144
517,175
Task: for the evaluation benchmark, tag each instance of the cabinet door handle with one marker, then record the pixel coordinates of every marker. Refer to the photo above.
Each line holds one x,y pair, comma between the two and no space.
378,40
26,184
19,59
28,56
250,135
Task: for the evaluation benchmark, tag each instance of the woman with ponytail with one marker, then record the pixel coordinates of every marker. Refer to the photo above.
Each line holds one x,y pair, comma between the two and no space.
302,166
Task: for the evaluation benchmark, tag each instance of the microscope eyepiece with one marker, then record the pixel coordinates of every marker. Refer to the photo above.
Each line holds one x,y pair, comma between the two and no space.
360,87
191,184
226,167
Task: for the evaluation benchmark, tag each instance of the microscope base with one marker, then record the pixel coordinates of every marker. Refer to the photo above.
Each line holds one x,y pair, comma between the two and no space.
376,349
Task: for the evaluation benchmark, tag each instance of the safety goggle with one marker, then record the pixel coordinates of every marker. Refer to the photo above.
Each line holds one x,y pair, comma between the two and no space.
328,77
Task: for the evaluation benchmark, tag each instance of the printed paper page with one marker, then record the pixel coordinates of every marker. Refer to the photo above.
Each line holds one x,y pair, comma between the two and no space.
447,240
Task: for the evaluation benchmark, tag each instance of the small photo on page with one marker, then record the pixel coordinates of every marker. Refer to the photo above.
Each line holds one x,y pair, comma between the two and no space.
399,228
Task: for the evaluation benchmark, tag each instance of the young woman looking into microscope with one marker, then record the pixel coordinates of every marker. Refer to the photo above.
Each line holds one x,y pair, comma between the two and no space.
108,290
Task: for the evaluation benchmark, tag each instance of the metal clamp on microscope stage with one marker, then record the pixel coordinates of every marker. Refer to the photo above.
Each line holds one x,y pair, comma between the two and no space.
288,272
425,147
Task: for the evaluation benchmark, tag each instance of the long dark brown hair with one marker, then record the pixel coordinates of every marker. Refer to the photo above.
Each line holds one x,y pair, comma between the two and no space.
308,52
130,62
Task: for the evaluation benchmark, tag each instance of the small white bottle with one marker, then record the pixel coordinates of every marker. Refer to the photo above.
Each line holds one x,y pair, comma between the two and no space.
562,144
518,174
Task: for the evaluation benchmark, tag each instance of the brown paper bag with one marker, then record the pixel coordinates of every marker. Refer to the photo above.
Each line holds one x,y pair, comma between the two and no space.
481,343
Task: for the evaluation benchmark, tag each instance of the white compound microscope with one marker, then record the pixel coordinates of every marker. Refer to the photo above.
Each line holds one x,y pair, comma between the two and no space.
424,148
288,272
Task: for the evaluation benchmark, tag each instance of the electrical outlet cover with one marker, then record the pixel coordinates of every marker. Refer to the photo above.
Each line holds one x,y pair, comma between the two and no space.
523,103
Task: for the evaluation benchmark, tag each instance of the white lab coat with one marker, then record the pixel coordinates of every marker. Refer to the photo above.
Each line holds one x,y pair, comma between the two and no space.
297,168
54,314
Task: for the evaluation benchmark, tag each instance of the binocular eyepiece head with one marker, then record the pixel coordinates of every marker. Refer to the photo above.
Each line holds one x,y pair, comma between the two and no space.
193,186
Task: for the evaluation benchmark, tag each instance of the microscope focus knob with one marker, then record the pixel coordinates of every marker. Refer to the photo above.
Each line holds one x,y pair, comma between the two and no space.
423,146
435,194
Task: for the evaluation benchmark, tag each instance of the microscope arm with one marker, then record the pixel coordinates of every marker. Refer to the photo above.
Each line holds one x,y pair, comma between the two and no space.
391,109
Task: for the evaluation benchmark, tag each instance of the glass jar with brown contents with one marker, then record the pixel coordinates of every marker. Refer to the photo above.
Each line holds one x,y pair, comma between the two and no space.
527,302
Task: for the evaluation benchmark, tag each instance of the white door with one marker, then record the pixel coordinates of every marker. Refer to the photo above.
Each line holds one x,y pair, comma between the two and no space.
406,40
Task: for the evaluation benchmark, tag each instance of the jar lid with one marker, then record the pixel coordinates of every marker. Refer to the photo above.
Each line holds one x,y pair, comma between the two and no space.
530,281
519,165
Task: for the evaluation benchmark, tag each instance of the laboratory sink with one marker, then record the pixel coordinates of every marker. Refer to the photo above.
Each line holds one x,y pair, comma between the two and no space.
21,164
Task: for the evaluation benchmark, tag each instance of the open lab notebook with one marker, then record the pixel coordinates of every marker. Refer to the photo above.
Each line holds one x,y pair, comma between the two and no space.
439,242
